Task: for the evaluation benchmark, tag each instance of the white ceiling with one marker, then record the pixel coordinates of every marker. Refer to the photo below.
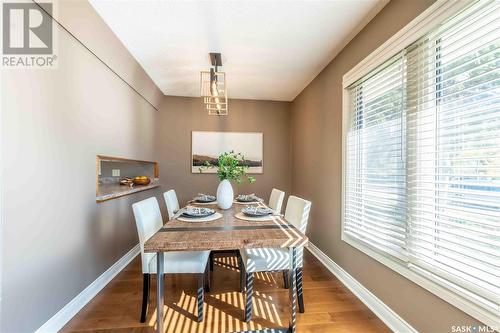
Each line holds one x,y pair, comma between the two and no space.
270,49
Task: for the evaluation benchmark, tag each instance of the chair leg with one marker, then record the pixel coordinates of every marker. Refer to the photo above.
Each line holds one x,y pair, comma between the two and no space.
238,256
242,275
145,296
300,293
207,278
285,279
211,259
248,303
200,296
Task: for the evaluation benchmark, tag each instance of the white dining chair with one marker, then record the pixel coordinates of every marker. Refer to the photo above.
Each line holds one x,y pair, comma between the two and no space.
276,259
148,221
276,200
172,203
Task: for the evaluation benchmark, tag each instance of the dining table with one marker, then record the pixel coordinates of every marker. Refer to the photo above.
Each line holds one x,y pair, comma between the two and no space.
229,232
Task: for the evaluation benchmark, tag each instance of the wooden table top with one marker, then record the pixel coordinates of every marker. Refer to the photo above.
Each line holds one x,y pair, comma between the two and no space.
226,233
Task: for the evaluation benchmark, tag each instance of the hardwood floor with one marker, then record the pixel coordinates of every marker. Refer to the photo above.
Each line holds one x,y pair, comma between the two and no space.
330,307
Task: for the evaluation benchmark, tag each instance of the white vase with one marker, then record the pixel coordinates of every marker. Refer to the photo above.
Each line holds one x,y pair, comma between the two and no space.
225,195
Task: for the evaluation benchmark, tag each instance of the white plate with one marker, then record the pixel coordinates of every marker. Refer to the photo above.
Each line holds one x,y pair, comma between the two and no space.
203,203
191,211
213,217
242,216
257,211
247,203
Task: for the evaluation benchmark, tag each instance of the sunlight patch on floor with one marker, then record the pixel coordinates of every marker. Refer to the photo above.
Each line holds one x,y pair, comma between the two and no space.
216,320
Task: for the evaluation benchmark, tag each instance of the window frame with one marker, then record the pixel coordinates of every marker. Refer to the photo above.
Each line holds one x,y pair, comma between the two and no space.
421,25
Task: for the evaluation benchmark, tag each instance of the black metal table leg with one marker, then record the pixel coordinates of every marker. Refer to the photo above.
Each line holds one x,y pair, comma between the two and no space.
292,327
300,293
248,300
160,301
200,295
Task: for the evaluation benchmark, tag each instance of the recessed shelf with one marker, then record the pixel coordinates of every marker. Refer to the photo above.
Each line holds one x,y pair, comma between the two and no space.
108,183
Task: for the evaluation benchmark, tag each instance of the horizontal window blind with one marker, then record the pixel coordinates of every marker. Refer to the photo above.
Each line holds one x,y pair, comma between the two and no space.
422,168
453,144
375,192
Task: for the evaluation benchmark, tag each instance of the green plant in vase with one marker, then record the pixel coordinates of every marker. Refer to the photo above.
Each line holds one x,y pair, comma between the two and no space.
229,167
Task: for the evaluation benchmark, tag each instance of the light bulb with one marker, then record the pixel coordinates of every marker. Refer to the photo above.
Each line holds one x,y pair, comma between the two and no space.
213,89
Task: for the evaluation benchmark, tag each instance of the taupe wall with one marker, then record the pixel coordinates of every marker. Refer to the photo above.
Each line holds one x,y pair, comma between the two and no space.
181,115
63,241
316,175
79,17
56,240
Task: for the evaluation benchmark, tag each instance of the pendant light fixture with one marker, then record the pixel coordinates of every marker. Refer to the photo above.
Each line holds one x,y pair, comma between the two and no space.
213,87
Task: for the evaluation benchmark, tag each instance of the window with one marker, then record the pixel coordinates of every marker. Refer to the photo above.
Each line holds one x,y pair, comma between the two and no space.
422,160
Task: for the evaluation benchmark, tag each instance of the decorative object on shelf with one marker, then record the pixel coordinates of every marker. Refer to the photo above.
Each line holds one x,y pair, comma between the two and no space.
141,180
110,186
127,181
228,168
214,88
206,146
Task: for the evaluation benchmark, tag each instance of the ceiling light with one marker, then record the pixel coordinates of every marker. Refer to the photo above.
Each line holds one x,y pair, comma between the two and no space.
213,87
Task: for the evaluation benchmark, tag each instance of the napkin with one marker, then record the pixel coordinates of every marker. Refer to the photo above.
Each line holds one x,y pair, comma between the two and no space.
206,196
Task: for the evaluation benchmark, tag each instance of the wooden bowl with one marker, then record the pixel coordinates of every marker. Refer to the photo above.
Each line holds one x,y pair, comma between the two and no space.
141,180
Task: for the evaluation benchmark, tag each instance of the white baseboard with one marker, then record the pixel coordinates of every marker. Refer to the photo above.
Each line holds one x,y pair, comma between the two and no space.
389,317
64,315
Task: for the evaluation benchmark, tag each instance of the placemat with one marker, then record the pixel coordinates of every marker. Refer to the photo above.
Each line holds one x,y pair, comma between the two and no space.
213,217
242,216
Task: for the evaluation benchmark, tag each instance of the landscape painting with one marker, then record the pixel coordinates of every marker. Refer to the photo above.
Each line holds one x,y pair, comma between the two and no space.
207,146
